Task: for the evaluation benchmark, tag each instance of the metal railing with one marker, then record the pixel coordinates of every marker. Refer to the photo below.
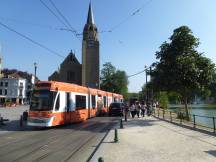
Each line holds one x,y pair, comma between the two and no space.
181,119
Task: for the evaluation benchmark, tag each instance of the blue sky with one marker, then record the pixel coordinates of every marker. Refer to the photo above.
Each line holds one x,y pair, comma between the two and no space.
129,47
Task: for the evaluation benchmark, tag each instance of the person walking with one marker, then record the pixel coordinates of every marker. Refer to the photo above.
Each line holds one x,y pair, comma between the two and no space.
137,109
154,107
143,108
132,110
126,110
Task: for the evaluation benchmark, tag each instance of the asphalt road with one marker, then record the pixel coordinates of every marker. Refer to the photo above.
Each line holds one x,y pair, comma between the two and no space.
75,142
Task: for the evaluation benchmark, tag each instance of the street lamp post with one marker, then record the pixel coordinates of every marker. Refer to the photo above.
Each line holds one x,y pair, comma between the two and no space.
146,84
35,69
147,90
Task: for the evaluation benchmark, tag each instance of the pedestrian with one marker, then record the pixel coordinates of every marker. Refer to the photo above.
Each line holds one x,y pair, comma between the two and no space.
132,110
126,108
143,108
157,104
138,109
154,106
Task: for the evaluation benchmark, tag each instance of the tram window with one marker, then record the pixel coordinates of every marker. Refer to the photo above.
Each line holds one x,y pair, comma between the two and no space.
42,100
68,101
93,101
104,101
57,103
80,102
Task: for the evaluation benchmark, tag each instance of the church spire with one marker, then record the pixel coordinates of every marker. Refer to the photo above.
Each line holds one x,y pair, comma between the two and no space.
90,19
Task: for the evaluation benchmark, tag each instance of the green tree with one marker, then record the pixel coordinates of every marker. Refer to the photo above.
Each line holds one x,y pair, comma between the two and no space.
113,80
162,97
107,77
181,68
212,87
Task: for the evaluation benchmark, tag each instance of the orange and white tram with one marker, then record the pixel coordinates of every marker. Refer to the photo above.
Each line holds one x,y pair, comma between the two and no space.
55,103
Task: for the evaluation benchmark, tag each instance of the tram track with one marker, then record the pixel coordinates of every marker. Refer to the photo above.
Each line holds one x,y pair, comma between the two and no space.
56,143
77,147
35,133
53,139
84,143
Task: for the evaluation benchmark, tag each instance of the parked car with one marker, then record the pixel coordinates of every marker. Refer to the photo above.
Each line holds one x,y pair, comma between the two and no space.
116,109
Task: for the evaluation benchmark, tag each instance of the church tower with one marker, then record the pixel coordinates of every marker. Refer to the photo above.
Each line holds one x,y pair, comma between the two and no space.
90,53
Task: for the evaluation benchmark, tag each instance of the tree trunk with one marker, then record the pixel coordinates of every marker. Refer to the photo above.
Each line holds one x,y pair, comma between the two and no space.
186,108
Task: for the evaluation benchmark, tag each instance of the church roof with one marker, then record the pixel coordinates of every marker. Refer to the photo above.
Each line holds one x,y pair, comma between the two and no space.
71,58
90,19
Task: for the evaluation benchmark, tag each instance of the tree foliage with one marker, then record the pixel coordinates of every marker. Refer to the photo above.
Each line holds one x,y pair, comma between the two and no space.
6,72
113,80
212,87
180,67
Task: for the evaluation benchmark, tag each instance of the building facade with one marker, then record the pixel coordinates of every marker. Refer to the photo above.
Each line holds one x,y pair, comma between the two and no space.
13,90
87,73
70,70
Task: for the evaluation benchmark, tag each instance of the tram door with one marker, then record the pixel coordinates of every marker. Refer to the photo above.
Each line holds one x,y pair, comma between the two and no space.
68,108
89,106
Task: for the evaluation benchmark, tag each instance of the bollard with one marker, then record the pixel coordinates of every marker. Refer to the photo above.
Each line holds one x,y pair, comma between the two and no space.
126,115
181,116
116,136
25,116
194,121
214,124
121,124
163,113
100,159
170,116
21,120
1,120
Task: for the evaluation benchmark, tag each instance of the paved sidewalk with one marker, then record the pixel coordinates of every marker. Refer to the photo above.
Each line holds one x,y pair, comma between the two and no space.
153,140
13,114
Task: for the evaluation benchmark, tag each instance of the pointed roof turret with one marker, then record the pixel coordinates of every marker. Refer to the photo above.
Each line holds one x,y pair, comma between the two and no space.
90,19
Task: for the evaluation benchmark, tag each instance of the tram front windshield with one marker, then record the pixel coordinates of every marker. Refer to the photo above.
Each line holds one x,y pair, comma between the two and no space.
42,100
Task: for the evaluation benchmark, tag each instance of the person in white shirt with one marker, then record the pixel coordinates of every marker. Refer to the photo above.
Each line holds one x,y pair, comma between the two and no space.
132,110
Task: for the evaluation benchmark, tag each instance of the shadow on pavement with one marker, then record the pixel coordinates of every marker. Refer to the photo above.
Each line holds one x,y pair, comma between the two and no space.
211,152
141,122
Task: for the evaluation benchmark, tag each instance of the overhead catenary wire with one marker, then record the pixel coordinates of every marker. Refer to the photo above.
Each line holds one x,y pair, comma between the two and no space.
135,12
136,73
64,18
57,17
31,40
44,4
19,21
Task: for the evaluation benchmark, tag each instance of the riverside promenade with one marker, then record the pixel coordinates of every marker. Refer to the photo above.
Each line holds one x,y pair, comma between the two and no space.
153,140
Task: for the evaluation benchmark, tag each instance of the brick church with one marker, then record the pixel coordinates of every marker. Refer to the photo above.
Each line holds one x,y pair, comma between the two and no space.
87,73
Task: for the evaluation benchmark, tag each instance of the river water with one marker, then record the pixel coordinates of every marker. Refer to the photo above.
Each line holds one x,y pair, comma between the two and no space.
202,110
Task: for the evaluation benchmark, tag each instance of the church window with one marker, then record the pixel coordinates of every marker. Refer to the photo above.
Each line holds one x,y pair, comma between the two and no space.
71,58
70,76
